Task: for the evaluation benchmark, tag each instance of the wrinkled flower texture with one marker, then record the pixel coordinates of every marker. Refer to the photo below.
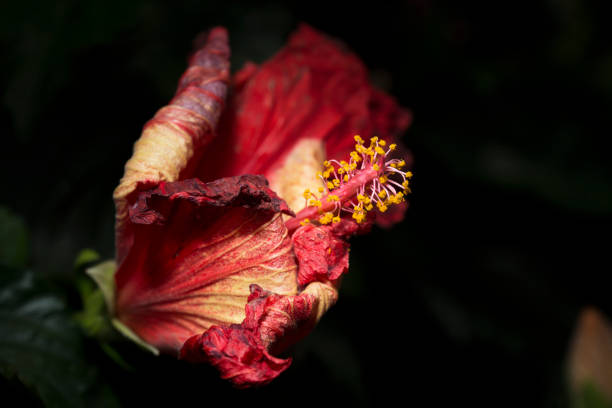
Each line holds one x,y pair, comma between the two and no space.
231,227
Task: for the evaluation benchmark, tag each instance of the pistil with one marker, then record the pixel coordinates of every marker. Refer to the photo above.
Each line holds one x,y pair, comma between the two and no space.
369,179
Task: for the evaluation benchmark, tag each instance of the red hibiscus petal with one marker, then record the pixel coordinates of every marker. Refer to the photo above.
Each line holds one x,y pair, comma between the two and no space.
197,248
200,94
171,142
237,354
322,255
313,88
243,352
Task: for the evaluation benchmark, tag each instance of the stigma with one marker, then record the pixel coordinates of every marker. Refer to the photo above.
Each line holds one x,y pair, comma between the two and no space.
371,180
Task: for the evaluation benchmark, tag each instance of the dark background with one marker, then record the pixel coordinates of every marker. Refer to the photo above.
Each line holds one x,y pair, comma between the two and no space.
472,299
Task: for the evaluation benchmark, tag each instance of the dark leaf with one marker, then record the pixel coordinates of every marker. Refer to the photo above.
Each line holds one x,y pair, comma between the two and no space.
42,347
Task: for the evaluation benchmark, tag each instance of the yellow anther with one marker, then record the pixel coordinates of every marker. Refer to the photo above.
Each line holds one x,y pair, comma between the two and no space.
346,178
397,198
393,165
327,173
383,179
379,150
392,146
382,193
361,198
369,207
330,185
336,220
401,164
381,206
321,189
353,166
336,182
319,174
409,174
314,202
332,198
340,170
406,183
326,218
382,143
358,139
376,167
307,194
326,163
306,221
374,139
359,216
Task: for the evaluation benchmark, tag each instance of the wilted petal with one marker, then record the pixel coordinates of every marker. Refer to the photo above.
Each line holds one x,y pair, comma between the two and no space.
197,248
171,141
237,353
243,353
322,254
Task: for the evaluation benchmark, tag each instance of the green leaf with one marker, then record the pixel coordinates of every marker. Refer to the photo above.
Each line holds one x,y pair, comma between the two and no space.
85,257
94,318
42,347
13,239
104,275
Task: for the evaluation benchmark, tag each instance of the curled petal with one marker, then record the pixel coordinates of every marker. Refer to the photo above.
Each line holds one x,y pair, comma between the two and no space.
243,353
322,254
197,248
237,353
171,140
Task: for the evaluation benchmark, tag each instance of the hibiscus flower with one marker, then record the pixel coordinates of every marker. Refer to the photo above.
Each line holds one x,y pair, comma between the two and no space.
234,212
